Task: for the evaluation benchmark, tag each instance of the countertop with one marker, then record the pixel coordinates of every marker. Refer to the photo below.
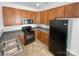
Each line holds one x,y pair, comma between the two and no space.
40,27
19,27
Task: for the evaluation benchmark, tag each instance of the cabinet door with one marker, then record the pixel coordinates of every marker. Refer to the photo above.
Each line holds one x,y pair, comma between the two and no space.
11,16
43,37
60,12
24,14
37,35
8,16
33,17
70,10
21,38
45,17
29,14
78,9
41,18
18,18
51,14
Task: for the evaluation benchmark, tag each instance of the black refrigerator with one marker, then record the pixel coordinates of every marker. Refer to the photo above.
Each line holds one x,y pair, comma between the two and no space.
58,37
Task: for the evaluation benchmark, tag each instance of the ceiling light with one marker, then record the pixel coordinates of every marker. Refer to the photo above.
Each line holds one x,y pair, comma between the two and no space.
37,4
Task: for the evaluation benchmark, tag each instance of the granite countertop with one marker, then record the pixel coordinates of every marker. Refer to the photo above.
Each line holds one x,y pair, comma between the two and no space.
41,29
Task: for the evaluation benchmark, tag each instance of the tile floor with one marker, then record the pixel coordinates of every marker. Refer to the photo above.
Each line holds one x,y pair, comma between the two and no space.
37,48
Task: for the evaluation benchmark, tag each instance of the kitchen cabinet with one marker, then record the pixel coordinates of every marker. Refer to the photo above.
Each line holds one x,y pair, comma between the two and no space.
51,14
18,17
55,13
43,37
78,9
8,16
28,14
41,18
37,34
60,11
33,17
24,13
13,16
45,17
21,38
70,10
37,21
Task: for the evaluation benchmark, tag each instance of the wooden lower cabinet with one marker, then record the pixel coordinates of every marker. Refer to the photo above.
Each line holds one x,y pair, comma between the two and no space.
43,37
21,38
40,35
37,34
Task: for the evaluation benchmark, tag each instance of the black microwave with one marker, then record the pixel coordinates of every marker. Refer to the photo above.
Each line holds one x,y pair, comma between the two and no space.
27,21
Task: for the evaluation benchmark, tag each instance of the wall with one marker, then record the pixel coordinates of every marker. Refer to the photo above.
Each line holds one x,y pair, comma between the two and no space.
74,47
70,24
1,19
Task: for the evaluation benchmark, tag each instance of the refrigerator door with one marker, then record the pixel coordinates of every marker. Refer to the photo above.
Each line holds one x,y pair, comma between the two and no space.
58,35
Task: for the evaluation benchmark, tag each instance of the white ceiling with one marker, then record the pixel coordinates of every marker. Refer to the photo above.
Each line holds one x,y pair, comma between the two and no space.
33,4
42,6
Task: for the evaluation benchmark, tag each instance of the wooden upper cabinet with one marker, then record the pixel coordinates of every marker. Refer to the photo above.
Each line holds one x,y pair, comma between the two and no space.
78,9
8,16
51,14
41,18
11,16
29,14
18,17
24,14
38,17
33,17
60,11
45,17
70,10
